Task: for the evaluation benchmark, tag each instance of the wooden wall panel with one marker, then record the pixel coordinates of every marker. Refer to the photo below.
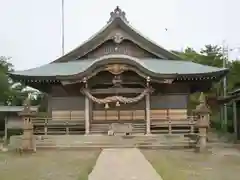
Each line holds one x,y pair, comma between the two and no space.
125,47
169,101
61,115
14,122
158,114
118,115
177,114
67,115
67,108
67,103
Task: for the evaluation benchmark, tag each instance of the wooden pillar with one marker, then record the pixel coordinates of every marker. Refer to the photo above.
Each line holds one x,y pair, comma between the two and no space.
67,128
148,118
49,104
45,126
6,129
235,125
90,112
148,121
87,122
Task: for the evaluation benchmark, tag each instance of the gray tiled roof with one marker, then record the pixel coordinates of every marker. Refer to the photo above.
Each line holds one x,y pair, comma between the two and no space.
16,108
158,66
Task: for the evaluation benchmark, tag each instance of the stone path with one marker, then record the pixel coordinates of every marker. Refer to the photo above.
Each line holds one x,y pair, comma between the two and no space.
123,164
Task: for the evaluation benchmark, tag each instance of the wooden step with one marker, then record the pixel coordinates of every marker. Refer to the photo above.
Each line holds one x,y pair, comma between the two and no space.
73,141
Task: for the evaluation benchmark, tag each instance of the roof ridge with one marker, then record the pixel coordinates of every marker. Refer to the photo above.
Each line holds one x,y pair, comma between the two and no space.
116,15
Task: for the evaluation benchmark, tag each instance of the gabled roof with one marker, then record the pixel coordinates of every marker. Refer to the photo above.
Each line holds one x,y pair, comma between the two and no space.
118,19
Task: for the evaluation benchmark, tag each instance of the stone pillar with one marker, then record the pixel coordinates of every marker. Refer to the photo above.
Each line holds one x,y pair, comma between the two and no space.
203,122
28,140
87,123
148,120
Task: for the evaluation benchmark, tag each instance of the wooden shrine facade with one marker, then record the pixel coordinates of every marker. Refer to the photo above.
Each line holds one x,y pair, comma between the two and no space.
119,97
119,76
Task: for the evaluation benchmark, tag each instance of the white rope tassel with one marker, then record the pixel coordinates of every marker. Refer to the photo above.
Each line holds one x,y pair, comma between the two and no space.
121,99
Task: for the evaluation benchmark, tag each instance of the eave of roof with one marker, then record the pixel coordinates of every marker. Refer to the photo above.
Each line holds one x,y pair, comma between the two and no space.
16,108
235,91
232,95
97,39
153,67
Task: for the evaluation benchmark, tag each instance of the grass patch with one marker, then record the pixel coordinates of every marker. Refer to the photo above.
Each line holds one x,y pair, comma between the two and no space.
48,165
220,164
164,165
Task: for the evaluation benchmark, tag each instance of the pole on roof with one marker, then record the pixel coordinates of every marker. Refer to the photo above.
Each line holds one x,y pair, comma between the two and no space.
62,25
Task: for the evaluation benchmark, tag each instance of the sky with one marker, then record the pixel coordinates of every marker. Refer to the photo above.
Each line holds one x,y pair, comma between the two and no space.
30,31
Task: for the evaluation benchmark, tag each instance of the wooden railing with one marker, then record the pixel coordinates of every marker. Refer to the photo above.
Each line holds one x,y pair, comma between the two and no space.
45,126
167,125
174,126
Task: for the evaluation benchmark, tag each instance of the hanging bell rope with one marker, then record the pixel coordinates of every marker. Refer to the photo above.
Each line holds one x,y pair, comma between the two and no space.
119,99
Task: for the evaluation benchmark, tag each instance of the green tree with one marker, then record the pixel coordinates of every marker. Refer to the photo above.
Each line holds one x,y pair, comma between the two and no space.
5,67
210,55
234,74
14,93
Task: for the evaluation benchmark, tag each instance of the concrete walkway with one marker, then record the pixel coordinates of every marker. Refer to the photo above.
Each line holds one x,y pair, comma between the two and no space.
123,164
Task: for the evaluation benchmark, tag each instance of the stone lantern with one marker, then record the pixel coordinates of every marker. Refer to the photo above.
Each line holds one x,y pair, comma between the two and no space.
28,141
203,122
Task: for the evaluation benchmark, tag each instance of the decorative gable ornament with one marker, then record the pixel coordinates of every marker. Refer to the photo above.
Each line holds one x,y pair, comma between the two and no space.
117,13
116,69
118,38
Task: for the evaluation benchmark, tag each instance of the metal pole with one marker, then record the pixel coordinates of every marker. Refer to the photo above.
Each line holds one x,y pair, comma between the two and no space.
63,27
225,61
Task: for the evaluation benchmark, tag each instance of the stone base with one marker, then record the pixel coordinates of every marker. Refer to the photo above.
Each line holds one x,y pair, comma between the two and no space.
149,134
201,150
25,151
3,149
105,141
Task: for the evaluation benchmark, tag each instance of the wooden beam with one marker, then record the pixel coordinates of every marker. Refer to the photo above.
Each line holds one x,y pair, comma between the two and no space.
6,129
235,124
109,82
117,90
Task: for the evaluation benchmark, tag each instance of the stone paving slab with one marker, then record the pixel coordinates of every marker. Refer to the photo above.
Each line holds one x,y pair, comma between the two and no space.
123,164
